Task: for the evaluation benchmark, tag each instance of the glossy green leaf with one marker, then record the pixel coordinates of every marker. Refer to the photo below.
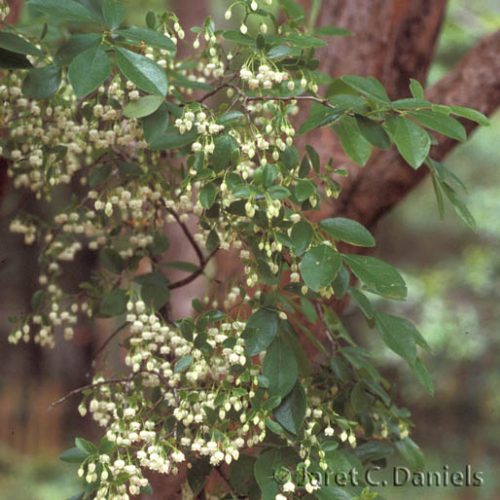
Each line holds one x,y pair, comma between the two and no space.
291,412
416,89
441,123
208,195
280,368
155,125
331,31
154,289
412,141
88,70
18,45
68,10
144,72
74,46
303,41
260,331
367,86
237,37
172,138
353,142
183,364
348,230
73,456
111,260
225,149
423,375
42,83
373,132
114,303
319,266
114,13
377,276
148,36
411,453
398,335
304,189
470,114
144,106
301,236
12,60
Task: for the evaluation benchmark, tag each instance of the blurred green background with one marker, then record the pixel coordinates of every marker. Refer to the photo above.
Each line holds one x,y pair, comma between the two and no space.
454,282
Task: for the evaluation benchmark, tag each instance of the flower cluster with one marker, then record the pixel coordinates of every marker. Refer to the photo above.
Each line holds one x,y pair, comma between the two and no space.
4,10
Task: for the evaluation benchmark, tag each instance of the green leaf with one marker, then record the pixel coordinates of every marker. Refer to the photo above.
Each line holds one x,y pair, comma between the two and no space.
353,142
348,230
148,36
18,45
74,46
416,89
112,260
373,132
280,368
73,456
198,474
156,124
470,114
441,123
303,41
304,189
144,106
88,70
368,86
423,376
412,141
398,335
99,175
319,117
68,10
114,303
173,139
230,117
42,83
293,9
278,192
237,37
183,364
208,195
260,331
114,13
411,453
181,265
377,276
290,414
362,302
85,445
144,72
154,289
301,236
241,475
459,206
11,60
331,31
225,147
319,266
265,468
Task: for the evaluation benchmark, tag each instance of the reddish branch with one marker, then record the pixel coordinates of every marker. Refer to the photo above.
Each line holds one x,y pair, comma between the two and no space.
474,82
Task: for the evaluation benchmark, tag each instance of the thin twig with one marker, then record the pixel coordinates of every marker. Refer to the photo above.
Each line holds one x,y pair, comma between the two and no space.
193,276
79,390
109,339
188,235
